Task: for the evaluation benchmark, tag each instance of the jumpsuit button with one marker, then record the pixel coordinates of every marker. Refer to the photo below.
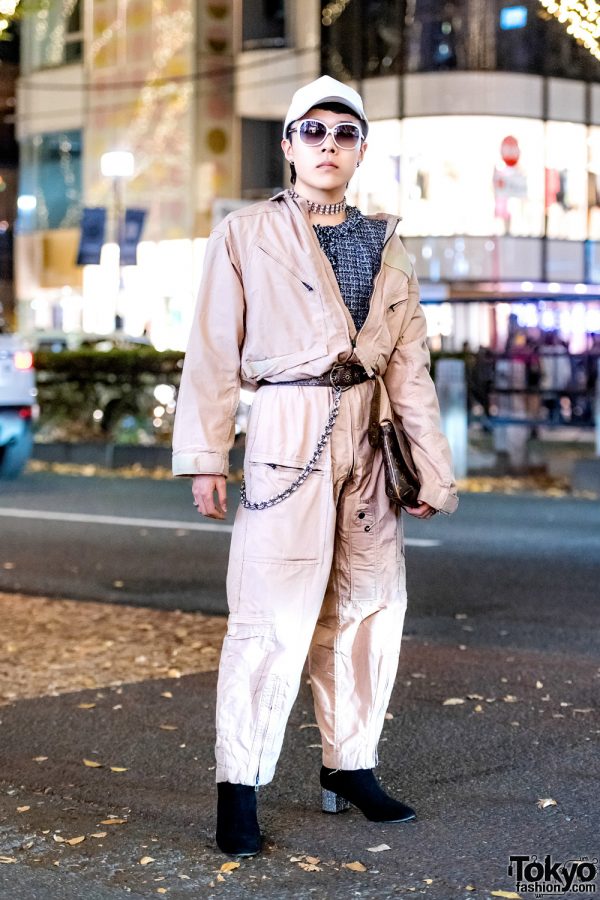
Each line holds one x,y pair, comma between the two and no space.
367,527
361,515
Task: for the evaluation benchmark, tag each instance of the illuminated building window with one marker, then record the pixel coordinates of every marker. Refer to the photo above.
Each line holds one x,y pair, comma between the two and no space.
50,176
52,36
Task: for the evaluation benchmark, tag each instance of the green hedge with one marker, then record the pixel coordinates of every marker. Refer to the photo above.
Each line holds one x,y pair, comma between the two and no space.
75,384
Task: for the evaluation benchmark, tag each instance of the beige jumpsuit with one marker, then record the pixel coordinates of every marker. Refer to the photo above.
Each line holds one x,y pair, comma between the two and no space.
323,572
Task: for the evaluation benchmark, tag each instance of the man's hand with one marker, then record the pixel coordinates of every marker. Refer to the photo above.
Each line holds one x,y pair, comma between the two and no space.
203,489
422,511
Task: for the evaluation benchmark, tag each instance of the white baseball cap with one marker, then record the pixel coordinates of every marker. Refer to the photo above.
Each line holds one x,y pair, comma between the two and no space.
325,90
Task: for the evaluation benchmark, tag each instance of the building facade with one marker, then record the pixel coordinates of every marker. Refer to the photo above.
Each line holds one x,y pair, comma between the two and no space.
485,139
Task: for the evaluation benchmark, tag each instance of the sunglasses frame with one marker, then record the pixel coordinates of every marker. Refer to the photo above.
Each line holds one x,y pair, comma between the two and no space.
329,131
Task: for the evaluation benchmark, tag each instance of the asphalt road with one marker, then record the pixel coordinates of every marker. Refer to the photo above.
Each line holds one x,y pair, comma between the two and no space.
502,618
524,569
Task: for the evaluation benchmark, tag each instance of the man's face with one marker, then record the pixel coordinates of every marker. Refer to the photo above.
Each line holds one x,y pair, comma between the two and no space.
325,167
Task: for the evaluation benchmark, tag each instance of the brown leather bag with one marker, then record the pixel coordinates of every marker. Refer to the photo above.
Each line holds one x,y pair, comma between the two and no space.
402,484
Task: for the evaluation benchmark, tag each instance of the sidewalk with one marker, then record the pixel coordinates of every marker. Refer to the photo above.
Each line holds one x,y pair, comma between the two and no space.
106,789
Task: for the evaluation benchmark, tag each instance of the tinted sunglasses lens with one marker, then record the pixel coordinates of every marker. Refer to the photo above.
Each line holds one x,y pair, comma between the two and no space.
312,133
346,136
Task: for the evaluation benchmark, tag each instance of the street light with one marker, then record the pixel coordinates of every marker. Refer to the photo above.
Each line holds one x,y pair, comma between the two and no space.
117,165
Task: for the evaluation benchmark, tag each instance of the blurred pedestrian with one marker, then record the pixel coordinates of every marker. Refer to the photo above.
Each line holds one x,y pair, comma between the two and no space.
303,295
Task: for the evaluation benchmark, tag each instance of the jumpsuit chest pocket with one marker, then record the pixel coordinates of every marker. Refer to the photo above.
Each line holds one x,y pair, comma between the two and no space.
395,310
285,319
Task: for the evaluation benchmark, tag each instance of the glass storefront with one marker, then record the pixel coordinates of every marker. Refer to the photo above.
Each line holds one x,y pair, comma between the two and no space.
383,37
484,176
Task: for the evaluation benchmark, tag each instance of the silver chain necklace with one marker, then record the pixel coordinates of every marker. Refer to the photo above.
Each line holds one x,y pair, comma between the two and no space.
324,209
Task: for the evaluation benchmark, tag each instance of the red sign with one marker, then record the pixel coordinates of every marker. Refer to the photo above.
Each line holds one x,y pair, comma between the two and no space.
510,150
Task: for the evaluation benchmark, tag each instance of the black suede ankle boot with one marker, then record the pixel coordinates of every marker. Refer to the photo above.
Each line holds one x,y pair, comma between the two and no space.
238,833
360,788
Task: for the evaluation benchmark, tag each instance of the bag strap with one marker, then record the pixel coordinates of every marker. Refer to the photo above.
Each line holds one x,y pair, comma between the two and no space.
373,433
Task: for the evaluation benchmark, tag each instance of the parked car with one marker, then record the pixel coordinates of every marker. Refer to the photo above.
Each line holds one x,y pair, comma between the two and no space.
17,404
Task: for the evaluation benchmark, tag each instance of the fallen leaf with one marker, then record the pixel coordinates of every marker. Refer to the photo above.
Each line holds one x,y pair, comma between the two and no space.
428,880
388,716
174,673
314,860
229,866
379,848
27,846
118,769
309,867
58,838
7,859
85,705
168,727
543,803
75,840
92,764
453,701
161,890
539,684
114,821
510,895
355,866
296,858
167,694
40,758
478,708
474,696
308,725
145,860
23,808
220,877
99,834
469,887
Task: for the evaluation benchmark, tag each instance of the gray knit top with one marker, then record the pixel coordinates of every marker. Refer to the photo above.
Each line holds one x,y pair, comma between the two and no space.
354,250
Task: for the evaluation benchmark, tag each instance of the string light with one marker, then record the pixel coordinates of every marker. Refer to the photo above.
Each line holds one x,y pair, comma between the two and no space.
582,18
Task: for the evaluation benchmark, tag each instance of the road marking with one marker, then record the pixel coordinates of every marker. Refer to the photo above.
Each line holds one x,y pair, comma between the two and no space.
134,522
128,521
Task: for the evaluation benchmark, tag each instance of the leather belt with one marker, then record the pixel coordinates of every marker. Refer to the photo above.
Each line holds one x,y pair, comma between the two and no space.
342,376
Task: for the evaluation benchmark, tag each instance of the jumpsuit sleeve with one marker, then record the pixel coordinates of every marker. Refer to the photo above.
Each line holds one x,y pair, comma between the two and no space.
204,429
414,400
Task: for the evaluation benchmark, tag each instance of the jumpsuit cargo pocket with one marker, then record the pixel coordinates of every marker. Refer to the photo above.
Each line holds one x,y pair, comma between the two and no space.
364,552
294,530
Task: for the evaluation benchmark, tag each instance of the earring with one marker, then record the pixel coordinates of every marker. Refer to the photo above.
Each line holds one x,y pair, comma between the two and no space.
358,164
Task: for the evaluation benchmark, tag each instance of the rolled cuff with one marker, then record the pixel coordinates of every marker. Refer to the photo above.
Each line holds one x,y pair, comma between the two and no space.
444,499
203,462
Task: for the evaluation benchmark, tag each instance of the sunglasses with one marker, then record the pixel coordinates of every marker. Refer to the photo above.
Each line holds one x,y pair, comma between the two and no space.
312,132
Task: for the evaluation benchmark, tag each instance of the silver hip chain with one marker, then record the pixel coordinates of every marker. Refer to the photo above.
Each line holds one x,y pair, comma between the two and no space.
308,468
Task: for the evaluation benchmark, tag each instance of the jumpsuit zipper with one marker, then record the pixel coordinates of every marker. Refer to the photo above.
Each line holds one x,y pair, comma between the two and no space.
274,695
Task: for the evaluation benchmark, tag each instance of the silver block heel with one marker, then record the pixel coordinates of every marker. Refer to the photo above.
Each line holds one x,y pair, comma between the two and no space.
333,803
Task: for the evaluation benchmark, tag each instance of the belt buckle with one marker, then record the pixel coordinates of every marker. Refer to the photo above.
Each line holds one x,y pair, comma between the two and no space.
347,379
